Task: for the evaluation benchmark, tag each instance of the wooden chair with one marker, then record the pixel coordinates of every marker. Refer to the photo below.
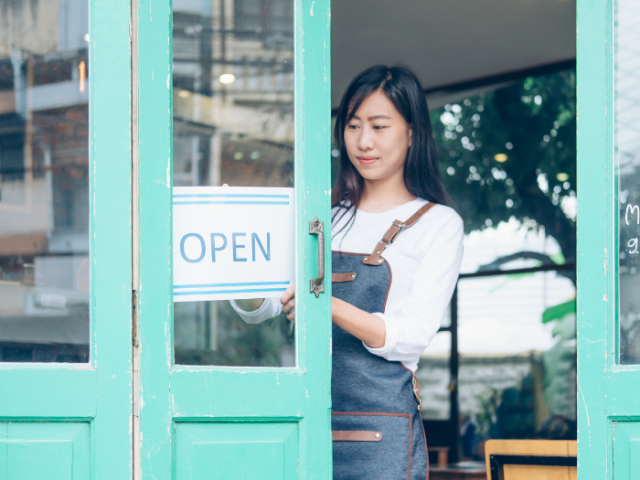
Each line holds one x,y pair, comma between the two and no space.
531,459
443,455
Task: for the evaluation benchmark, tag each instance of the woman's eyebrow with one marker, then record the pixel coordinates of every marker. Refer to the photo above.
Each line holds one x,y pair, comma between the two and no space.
376,117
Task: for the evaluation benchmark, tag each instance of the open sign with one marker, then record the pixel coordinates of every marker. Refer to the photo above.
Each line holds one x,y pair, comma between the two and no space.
202,248
232,242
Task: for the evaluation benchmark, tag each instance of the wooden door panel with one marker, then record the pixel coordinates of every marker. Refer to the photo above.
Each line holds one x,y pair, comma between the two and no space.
62,391
255,450
209,393
626,450
33,450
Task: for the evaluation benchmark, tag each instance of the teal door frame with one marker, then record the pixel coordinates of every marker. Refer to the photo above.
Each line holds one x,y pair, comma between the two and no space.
608,393
172,396
45,406
594,172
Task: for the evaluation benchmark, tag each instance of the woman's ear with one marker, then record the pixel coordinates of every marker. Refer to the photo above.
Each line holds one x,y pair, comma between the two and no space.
410,134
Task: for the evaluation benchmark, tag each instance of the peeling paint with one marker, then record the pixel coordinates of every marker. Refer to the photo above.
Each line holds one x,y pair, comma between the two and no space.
311,12
586,411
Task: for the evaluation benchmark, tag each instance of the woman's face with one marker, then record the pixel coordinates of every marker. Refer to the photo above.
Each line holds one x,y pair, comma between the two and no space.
377,138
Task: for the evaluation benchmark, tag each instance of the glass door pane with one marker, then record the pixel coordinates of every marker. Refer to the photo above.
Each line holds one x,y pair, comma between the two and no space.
44,183
627,142
233,124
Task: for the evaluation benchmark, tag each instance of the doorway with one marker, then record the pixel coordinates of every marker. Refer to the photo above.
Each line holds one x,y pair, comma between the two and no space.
503,102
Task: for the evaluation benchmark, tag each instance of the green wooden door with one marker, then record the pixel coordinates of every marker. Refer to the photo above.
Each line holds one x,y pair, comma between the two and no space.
65,231
237,93
608,232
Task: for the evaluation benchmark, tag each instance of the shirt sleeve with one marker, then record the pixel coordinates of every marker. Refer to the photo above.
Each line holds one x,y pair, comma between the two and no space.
271,307
409,331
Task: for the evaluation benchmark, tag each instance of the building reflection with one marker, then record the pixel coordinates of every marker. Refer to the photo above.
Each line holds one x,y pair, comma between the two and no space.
233,123
44,201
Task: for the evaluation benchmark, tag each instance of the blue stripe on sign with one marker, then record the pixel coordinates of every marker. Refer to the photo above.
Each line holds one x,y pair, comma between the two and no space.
231,202
226,195
214,285
218,292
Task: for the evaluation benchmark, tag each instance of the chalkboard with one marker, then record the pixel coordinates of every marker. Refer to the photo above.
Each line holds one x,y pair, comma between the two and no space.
627,142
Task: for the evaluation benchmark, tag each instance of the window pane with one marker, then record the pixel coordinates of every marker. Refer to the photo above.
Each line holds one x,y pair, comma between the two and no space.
435,377
44,182
517,344
628,169
508,158
233,124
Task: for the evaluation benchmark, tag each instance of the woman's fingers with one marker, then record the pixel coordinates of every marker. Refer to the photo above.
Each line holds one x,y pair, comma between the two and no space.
289,306
288,294
289,309
288,302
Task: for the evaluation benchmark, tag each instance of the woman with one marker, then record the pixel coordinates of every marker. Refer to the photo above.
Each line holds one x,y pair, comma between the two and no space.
388,181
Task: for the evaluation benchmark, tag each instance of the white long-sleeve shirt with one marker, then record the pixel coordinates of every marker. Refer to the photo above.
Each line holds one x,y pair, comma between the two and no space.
425,262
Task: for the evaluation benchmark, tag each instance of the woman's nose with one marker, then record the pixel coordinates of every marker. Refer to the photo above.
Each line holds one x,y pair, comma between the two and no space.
365,142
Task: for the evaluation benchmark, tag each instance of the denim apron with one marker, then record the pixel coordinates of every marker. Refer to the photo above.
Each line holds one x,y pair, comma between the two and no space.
377,429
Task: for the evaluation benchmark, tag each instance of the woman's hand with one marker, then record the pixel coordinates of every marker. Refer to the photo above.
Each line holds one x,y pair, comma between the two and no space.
288,302
364,326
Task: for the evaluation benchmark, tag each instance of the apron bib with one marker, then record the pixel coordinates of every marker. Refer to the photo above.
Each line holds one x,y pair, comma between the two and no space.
377,429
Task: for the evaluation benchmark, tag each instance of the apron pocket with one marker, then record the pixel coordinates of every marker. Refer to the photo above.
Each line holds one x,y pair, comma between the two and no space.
385,459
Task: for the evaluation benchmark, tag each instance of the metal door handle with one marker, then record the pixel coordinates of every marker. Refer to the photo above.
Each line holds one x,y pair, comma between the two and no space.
316,227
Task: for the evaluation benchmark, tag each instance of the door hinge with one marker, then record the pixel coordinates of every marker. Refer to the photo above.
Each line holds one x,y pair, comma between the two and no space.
134,318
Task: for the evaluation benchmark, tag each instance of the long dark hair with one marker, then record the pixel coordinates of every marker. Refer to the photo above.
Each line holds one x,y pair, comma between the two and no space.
421,172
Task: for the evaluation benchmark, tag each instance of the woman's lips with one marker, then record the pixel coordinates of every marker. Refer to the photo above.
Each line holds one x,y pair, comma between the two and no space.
366,160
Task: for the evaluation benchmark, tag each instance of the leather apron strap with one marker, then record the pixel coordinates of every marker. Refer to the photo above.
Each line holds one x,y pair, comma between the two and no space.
376,259
389,237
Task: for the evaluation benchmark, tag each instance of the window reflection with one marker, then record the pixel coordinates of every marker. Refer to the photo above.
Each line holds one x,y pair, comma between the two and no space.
233,123
517,344
628,171
44,201
508,157
435,378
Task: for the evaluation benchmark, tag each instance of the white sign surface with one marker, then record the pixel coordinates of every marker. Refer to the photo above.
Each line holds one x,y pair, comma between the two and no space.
232,242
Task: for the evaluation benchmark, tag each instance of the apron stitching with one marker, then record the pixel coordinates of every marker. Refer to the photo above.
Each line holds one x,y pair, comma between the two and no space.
426,448
411,448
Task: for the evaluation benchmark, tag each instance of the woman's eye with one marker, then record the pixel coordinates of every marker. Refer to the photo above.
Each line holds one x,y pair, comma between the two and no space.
352,127
379,127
